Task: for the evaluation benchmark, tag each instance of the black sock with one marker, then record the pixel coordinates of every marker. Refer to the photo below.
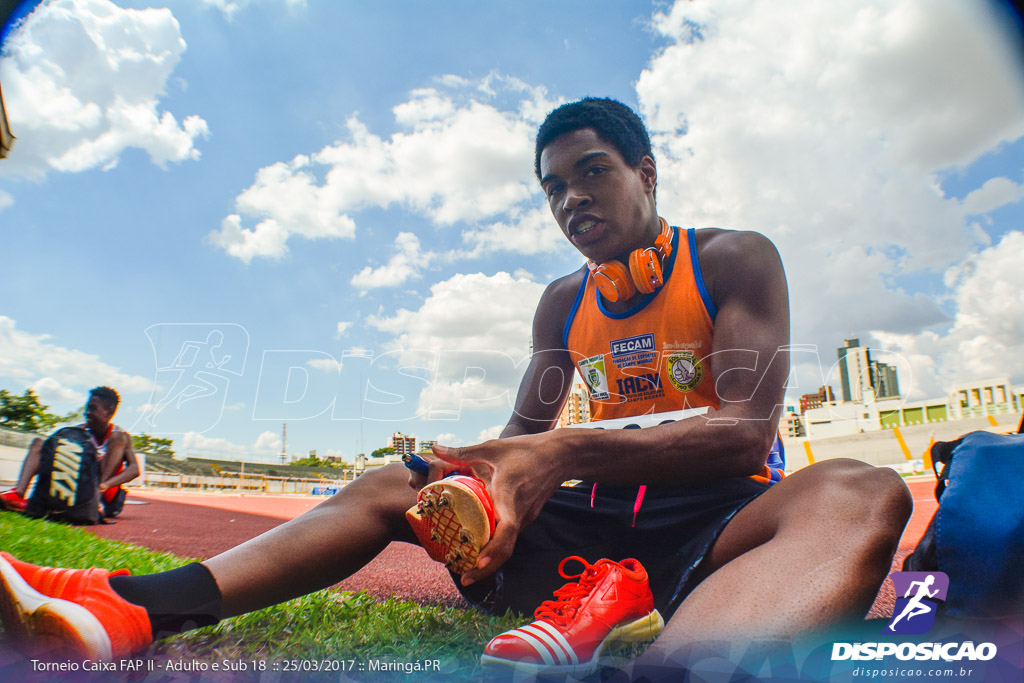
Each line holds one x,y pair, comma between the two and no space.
176,601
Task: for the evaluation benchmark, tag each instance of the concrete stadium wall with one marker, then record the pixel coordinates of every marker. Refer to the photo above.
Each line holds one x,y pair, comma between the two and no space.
883,448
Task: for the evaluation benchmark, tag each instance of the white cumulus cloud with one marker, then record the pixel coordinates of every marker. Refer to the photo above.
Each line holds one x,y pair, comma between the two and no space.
62,374
996,192
193,444
82,83
986,339
458,156
480,327
489,433
826,126
404,264
267,442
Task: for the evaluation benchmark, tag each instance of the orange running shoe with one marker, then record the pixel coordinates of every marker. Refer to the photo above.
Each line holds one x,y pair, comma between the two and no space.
75,607
10,500
453,519
611,602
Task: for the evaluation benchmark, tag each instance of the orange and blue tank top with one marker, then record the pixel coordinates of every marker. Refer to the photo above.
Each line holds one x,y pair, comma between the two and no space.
650,358
654,357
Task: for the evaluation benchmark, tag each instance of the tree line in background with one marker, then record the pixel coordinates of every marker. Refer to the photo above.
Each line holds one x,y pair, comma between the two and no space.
26,413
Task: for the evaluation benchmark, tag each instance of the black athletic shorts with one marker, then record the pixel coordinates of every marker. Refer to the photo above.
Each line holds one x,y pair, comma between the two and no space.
673,531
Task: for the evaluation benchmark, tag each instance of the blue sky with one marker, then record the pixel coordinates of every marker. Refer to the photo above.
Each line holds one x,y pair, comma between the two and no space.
343,192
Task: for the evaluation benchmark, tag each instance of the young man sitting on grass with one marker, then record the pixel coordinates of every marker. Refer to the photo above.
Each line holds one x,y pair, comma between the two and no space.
116,456
693,500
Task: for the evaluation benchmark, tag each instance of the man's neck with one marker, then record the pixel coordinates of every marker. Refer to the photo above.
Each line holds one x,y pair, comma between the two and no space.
100,433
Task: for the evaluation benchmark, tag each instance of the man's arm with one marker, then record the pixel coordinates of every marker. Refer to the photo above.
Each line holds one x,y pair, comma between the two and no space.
547,380
30,467
549,375
119,451
750,363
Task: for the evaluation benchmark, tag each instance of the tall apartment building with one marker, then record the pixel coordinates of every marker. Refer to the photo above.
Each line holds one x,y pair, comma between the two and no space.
402,444
885,381
577,407
854,370
862,379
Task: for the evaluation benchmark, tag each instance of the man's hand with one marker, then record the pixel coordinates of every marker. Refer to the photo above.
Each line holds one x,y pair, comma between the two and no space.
437,469
521,474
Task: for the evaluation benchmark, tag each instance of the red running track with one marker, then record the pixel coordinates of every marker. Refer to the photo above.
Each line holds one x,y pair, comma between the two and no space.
201,525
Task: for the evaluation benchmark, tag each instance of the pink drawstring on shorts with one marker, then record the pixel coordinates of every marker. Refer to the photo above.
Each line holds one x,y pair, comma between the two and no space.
636,504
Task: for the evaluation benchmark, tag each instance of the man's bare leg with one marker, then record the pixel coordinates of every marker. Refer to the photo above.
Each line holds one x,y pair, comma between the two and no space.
330,542
30,467
810,551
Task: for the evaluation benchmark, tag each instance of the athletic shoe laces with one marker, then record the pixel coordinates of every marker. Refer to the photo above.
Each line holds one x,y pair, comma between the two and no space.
562,610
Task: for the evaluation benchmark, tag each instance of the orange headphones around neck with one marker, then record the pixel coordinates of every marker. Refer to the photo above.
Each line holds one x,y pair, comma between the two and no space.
616,282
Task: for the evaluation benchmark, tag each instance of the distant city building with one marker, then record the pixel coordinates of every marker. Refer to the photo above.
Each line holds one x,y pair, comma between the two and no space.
427,445
854,370
979,398
577,407
402,444
984,397
884,380
864,380
824,396
792,425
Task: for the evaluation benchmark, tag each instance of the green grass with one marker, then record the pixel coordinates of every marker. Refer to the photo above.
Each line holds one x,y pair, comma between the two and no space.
353,629
345,627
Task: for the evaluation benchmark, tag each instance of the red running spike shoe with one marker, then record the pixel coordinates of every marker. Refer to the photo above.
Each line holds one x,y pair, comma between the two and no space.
10,500
453,519
611,602
76,608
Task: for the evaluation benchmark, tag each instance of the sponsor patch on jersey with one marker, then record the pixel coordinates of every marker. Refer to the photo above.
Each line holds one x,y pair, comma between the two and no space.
629,345
632,351
685,370
640,387
593,372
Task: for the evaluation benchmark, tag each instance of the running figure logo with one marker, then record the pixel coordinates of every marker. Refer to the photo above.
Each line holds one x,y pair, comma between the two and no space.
194,366
915,610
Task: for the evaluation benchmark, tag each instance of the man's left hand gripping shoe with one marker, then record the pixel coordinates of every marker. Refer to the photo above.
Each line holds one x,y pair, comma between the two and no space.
74,611
453,519
611,602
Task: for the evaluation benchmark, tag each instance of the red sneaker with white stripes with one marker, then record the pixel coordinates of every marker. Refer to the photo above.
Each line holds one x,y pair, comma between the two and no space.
11,500
453,519
611,602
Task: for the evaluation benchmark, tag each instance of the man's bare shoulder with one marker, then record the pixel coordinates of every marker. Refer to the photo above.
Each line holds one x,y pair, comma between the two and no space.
560,294
120,436
729,257
716,243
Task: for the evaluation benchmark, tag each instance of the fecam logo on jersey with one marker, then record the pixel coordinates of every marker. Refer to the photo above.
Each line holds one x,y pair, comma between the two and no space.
916,596
638,344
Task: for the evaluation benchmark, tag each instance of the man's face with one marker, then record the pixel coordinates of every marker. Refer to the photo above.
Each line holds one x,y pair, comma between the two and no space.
602,204
97,414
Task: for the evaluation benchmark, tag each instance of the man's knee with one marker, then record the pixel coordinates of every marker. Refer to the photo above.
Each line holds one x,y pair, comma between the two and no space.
873,501
384,491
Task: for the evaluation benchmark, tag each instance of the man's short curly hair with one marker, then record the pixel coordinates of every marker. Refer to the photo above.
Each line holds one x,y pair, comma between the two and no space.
614,122
106,396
